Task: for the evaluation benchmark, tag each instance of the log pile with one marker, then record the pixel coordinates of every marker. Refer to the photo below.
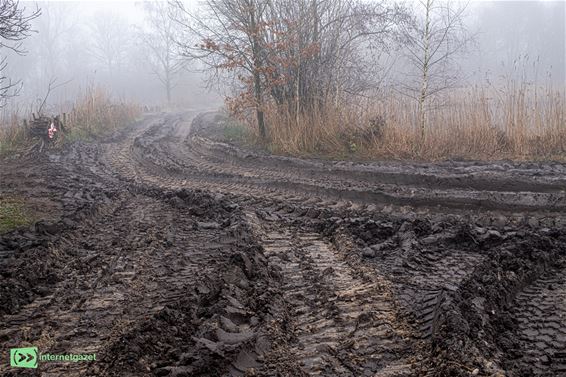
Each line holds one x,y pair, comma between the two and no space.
47,129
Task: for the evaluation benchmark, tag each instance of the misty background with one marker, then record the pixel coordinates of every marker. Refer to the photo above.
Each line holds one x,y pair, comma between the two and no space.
81,44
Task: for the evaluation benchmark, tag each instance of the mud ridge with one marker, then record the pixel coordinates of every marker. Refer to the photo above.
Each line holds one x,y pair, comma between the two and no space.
173,253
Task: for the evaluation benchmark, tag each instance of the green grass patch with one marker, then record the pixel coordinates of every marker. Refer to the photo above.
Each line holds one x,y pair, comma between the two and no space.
12,141
235,131
7,148
13,214
76,134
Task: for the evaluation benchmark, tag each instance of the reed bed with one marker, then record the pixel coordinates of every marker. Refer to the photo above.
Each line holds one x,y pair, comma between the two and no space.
517,121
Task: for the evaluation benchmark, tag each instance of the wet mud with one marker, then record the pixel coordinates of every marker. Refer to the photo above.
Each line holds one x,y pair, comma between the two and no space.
168,252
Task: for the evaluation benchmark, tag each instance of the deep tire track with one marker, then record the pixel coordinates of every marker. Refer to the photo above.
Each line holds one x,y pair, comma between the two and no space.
344,322
332,269
168,151
130,262
423,283
540,311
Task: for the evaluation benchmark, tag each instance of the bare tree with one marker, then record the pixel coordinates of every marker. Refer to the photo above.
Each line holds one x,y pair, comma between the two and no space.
299,54
333,47
15,26
57,24
110,38
435,38
53,84
225,37
159,38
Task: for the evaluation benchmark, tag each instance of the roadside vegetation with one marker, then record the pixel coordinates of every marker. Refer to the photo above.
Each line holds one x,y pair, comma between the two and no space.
370,80
522,122
353,79
12,136
13,214
94,114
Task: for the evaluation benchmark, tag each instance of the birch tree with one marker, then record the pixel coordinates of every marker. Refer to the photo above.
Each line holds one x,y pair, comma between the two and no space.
433,40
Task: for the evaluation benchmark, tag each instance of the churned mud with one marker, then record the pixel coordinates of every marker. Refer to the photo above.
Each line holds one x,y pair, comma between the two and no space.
168,252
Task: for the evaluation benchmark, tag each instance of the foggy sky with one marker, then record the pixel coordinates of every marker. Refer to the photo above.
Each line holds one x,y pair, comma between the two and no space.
512,37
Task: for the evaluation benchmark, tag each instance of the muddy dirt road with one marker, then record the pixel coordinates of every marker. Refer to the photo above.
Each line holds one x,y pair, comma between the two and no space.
168,252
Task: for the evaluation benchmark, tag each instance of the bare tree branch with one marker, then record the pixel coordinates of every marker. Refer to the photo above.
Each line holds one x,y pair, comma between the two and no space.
15,26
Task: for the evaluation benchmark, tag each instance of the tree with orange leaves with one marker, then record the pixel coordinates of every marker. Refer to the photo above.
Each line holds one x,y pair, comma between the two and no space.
297,54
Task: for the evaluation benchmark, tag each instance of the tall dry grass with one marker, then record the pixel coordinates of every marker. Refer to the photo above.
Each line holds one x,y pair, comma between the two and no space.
93,114
12,133
516,121
96,113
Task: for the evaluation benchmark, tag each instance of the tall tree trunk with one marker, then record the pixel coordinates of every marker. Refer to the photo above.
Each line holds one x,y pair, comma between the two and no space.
259,106
424,85
257,66
168,89
298,89
168,85
318,99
